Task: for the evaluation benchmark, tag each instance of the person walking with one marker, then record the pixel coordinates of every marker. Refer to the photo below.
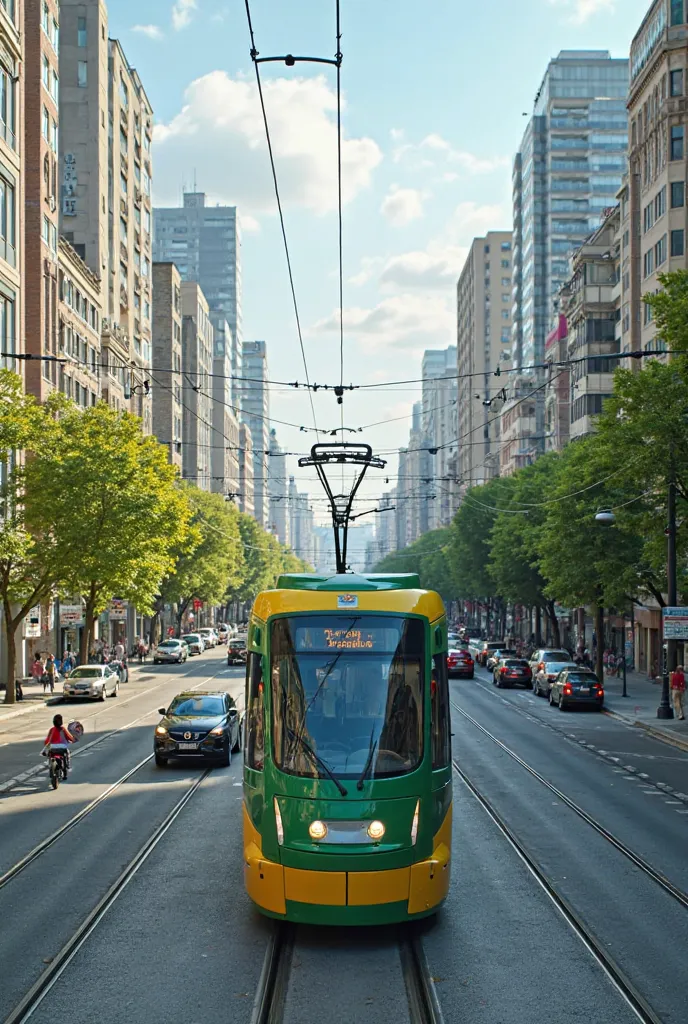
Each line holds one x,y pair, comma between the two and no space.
141,650
119,651
51,671
678,690
37,671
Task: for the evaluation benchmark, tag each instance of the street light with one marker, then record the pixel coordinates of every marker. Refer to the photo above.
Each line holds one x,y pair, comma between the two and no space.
607,518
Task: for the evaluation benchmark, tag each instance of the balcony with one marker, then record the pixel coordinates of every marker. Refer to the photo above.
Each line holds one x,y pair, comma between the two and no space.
123,252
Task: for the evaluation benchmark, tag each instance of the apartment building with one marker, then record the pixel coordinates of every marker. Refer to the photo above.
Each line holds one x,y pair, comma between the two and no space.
653,198
168,414
301,514
225,436
78,329
483,345
519,427
12,207
280,519
246,479
205,243
197,365
557,390
255,412
440,425
41,35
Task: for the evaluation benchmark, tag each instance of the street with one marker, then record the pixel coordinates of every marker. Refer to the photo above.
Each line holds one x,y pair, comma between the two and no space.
178,939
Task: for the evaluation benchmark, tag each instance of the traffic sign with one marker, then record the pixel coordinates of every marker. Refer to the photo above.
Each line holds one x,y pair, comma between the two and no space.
675,623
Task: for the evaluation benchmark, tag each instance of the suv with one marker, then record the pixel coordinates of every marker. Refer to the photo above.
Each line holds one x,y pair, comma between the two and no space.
543,655
485,649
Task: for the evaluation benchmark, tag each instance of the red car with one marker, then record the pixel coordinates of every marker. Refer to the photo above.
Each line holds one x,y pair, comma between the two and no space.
460,663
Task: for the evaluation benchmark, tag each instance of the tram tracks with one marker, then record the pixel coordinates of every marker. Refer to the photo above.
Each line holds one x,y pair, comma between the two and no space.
47,979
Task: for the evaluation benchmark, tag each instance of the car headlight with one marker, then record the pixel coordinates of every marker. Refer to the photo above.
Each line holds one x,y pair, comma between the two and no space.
217,731
161,731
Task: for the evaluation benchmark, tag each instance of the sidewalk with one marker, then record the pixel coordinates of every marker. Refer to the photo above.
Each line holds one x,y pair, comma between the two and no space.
35,698
640,707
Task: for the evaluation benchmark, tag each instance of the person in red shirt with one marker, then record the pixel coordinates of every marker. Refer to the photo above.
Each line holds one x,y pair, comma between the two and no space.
59,737
678,690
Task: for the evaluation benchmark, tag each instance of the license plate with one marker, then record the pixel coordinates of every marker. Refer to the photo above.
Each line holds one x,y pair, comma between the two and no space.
187,746
584,689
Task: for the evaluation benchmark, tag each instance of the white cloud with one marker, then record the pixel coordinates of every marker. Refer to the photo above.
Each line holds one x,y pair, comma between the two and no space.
412,322
434,267
249,224
402,205
182,13
220,128
152,31
434,149
581,10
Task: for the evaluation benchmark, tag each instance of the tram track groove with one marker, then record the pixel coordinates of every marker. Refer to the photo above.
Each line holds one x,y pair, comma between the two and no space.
615,974
42,986
423,1003
661,880
271,991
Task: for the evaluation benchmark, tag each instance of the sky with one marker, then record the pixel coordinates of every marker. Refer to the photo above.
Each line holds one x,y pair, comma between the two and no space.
434,95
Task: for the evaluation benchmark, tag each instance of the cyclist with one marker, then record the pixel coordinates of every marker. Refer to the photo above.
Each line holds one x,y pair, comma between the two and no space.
59,737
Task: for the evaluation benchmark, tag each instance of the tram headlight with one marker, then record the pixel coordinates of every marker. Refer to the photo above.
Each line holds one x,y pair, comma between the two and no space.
376,830
278,823
317,830
414,824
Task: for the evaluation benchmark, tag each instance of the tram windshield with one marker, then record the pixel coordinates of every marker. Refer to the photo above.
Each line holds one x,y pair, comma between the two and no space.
347,695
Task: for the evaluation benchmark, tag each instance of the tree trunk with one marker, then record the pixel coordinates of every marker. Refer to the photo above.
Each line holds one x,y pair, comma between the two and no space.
538,626
10,633
554,622
599,630
89,622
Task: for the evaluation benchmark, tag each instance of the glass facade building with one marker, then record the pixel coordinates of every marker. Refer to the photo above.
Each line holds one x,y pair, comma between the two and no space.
566,174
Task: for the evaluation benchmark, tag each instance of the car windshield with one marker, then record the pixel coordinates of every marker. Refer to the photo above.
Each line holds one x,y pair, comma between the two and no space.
515,663
191,637
348,689
188,707
86,673
585,678
168,644
560,656
557,666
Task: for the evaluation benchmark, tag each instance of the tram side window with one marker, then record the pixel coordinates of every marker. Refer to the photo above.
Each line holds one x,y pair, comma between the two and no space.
439,701
255,715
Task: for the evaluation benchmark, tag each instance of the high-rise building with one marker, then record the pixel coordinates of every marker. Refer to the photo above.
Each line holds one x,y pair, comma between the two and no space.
197,365
12,84
255,412
568,170
484,309
246,480
205,242
225,436
301,515
439,425
167,357
280,519
653,199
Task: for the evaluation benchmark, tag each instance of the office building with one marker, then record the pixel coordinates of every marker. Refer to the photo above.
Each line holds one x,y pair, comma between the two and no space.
205,243
483,343
301,516
255,412
225,435
12,83
279,515
440,425
567,171
246,481
167,358
197,365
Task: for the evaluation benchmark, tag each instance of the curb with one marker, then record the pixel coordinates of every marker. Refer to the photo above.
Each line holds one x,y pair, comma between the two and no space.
658,734
45,704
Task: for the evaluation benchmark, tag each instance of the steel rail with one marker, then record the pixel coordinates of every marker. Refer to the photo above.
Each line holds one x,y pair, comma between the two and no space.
424,1006
270,998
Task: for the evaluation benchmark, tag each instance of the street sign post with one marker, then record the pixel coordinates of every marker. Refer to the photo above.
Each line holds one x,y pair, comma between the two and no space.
675,623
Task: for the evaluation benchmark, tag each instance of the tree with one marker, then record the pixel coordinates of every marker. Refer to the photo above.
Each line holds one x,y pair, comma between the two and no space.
263,560
115,514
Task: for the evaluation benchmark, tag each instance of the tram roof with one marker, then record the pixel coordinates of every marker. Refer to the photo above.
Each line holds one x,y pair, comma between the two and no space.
299,593
349,581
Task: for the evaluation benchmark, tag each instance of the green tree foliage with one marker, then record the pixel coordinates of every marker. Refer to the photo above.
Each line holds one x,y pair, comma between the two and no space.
471,538
428,558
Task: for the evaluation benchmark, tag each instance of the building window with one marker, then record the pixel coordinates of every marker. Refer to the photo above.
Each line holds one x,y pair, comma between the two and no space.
661,251
677,142
660,203
678,192
647,314
123,184
648,263
7,108
506,282
81,31
46,124
53,135
82,74
505,314
147,221
45,71
506,246
55,35
506,298
7,221
123,93
677,12
676,82
677,242
7,331
506,264
54,85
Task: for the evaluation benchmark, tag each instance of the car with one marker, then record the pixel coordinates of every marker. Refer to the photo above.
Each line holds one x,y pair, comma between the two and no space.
223,634
576,686
542,655
453,639
171,650
485,648
209,635
194,642
236,652
91,682
495,656
511,671
470,633
199,723
552,668
460,663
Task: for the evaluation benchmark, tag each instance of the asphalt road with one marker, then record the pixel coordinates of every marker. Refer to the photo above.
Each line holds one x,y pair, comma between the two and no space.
182,943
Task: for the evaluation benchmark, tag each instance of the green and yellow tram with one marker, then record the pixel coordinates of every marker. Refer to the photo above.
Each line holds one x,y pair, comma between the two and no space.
347,774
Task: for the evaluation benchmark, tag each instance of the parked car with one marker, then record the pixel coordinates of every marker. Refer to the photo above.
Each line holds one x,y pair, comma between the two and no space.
171,650
485,649
236,652
223,633
198,724
460,663
552,668
194,642
495,656
209,635
510,671
577,686
91,682
540,657
470,633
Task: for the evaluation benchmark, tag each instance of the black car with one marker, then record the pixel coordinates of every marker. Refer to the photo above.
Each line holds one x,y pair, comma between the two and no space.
198,724
236,652
577,686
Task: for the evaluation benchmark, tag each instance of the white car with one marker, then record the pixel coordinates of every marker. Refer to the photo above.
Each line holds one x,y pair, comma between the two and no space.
209,636
194,642
91,682
170,650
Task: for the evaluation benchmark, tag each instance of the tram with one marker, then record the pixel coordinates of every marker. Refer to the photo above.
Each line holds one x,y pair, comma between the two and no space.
347,762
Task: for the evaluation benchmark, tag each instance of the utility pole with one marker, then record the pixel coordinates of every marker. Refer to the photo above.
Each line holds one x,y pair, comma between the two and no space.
665,710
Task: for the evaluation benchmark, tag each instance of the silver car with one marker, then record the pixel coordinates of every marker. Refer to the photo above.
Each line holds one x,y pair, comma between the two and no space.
171,650
91,682
195,643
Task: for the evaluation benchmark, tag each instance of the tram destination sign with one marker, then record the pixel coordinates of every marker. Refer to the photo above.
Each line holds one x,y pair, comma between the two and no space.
675,623
339,638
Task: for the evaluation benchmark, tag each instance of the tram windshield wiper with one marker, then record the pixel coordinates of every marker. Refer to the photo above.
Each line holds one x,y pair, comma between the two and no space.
371,754
316,759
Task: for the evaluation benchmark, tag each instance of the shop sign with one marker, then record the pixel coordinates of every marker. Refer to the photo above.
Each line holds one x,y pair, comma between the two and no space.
32,623
71,615
675,623
117,609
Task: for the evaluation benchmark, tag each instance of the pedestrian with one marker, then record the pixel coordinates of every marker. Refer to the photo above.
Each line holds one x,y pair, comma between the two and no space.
678,689
67,664
141,650
119,651
37,671
51,671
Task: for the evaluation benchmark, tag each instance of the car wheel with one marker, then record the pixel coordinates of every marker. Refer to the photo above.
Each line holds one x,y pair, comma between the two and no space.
226,759
115,691
472,675
236,749
160,762
156,661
